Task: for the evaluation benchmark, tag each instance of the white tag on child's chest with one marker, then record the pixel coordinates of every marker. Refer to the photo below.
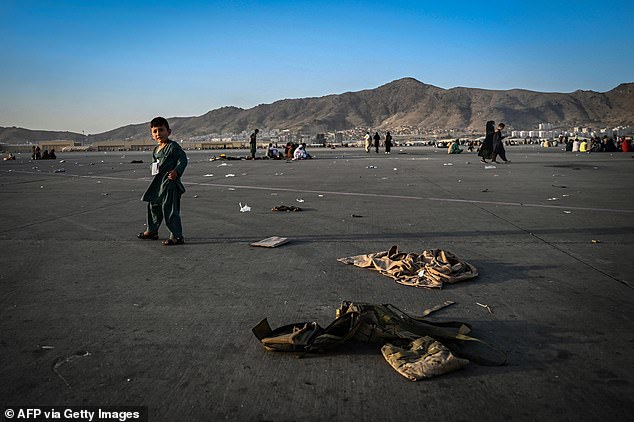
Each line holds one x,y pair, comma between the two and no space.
155,168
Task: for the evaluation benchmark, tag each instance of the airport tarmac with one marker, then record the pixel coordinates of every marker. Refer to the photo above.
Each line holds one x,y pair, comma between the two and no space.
91,315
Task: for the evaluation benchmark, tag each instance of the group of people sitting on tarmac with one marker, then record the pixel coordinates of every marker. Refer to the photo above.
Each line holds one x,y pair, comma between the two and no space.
292,151
597,144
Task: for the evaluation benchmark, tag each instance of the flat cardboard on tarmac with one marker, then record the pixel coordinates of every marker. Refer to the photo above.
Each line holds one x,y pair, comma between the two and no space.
170,327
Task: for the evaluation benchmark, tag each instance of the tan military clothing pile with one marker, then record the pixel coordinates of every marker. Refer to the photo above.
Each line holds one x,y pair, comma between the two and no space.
431,268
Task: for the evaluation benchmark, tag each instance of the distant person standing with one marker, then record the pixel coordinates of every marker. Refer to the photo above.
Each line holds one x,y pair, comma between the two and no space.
498,145
33,152
367,141
253,142
377,141
164,193
608,144
388,142
487,145
38,153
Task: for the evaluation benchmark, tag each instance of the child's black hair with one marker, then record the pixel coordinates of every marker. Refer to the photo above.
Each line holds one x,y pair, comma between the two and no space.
158,122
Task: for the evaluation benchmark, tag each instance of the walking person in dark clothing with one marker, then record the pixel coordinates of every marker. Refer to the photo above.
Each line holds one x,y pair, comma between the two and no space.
253,142
377,139
388,142
487,145
498,145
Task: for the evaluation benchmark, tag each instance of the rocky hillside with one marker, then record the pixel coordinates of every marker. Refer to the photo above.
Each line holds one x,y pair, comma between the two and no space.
405,102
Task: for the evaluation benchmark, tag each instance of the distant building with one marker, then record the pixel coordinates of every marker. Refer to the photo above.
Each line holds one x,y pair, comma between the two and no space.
623,130
125,145
58,145
320,138
607,132
520,134
583,130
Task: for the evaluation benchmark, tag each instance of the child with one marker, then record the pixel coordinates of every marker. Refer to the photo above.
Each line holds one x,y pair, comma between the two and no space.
164,194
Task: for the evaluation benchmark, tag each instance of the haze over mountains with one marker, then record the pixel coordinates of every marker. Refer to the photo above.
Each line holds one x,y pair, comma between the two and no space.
404,102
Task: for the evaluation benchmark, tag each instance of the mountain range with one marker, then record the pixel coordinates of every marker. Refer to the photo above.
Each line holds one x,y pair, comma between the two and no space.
403,102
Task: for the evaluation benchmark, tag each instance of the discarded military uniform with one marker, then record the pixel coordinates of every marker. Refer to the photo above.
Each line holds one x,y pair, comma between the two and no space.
381,323
422,358
431,269
163,195
307,336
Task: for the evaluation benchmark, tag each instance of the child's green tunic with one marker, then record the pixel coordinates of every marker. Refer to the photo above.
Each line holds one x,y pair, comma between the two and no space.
163,195
170,157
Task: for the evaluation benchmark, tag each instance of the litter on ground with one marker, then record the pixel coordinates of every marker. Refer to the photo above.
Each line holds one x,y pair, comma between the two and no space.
286,208
61,361
271,242
487,307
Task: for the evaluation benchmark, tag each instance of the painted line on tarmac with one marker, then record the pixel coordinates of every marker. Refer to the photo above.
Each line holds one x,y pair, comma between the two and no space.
418,198
359,194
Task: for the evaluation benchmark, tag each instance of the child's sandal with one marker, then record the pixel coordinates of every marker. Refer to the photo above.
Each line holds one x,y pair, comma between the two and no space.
172,242
148,235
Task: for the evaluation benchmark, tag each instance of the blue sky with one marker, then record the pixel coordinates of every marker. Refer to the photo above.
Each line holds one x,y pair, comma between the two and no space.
95,66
